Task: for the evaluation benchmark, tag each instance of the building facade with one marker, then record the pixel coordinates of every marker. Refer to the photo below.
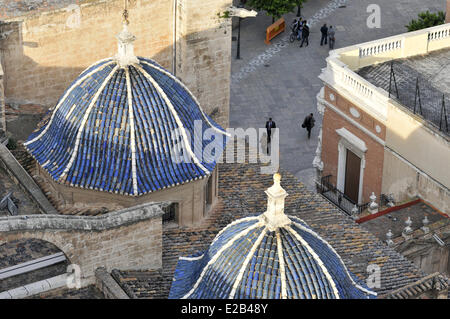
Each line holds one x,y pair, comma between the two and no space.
385,126
44,49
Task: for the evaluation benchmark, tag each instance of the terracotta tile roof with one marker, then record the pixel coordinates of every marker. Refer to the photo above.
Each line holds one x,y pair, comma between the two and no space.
395,220
434,281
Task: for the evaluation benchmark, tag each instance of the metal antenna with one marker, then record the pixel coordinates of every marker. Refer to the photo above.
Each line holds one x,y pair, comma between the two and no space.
392,77
125,12
417,96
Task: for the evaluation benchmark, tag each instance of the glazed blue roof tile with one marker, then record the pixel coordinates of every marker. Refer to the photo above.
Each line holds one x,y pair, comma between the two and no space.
95,109
214,273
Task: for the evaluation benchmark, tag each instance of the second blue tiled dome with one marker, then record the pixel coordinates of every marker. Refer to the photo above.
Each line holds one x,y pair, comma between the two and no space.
130,129
269,256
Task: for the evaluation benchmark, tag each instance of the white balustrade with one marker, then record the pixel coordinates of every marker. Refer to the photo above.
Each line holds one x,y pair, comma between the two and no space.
380,47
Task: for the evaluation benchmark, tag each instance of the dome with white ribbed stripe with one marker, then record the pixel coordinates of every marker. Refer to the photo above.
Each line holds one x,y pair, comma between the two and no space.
125,125
272,256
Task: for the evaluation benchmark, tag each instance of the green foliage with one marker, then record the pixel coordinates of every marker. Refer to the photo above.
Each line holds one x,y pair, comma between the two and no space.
300,3
274,8
225,15
426,20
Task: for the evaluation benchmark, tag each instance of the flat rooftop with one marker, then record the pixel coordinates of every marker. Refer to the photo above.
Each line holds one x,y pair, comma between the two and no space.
432,70
395,221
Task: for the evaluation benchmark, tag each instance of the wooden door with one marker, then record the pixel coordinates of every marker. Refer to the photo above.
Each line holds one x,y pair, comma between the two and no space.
352,172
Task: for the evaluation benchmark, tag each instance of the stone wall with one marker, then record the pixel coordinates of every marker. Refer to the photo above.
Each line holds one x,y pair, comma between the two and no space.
129,239
447,13
45,52
203,54
2,99
405,181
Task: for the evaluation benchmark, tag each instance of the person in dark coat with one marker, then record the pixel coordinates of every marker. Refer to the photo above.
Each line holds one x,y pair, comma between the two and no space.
305,34
324,31
308,123
269,126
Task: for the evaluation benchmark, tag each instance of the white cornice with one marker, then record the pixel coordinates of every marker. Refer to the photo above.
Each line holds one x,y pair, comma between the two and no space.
352,121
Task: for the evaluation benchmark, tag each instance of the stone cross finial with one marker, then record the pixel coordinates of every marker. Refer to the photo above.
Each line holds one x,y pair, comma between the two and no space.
125,55
125,12
389,235
274,216
355,212
407,230
425,228
373,206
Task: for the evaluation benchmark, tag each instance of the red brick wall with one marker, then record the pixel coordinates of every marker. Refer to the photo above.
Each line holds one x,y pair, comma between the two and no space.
374,156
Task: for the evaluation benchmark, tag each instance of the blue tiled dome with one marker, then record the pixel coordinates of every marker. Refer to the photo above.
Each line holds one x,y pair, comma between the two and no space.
267,256
113,130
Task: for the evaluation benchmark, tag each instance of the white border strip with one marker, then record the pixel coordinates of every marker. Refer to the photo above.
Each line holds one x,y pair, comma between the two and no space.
187,90
177,118
35,288
234,223
317,259
218,253
62,100
192,258
339,257
32,265
83,123
282,265
132,131
246,261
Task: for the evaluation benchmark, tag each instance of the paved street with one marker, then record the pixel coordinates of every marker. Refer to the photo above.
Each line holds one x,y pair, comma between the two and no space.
281,80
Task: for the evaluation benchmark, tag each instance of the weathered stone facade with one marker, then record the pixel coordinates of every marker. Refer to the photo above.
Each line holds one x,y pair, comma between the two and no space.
127,239
43,52
191,197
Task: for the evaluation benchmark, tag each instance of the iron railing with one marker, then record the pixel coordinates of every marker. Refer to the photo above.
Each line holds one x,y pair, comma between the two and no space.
327,189
428,102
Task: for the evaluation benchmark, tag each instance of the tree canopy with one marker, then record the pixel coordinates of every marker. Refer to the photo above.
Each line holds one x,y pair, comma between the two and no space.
426,20
274,8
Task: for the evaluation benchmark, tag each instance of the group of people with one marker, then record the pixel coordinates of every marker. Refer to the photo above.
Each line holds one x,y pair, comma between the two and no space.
327,33
301,28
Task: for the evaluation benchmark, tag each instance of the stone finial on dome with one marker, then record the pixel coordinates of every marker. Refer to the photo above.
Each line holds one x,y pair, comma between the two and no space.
125,55
274,215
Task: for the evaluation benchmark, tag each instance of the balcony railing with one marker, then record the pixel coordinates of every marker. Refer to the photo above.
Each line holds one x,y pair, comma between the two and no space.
327,189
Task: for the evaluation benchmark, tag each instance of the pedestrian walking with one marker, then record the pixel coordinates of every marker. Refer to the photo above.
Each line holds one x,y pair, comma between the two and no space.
308,123
331,38
269,126
324,31
305,34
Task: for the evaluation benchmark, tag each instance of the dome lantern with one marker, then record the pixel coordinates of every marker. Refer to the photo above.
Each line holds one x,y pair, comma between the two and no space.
275,216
